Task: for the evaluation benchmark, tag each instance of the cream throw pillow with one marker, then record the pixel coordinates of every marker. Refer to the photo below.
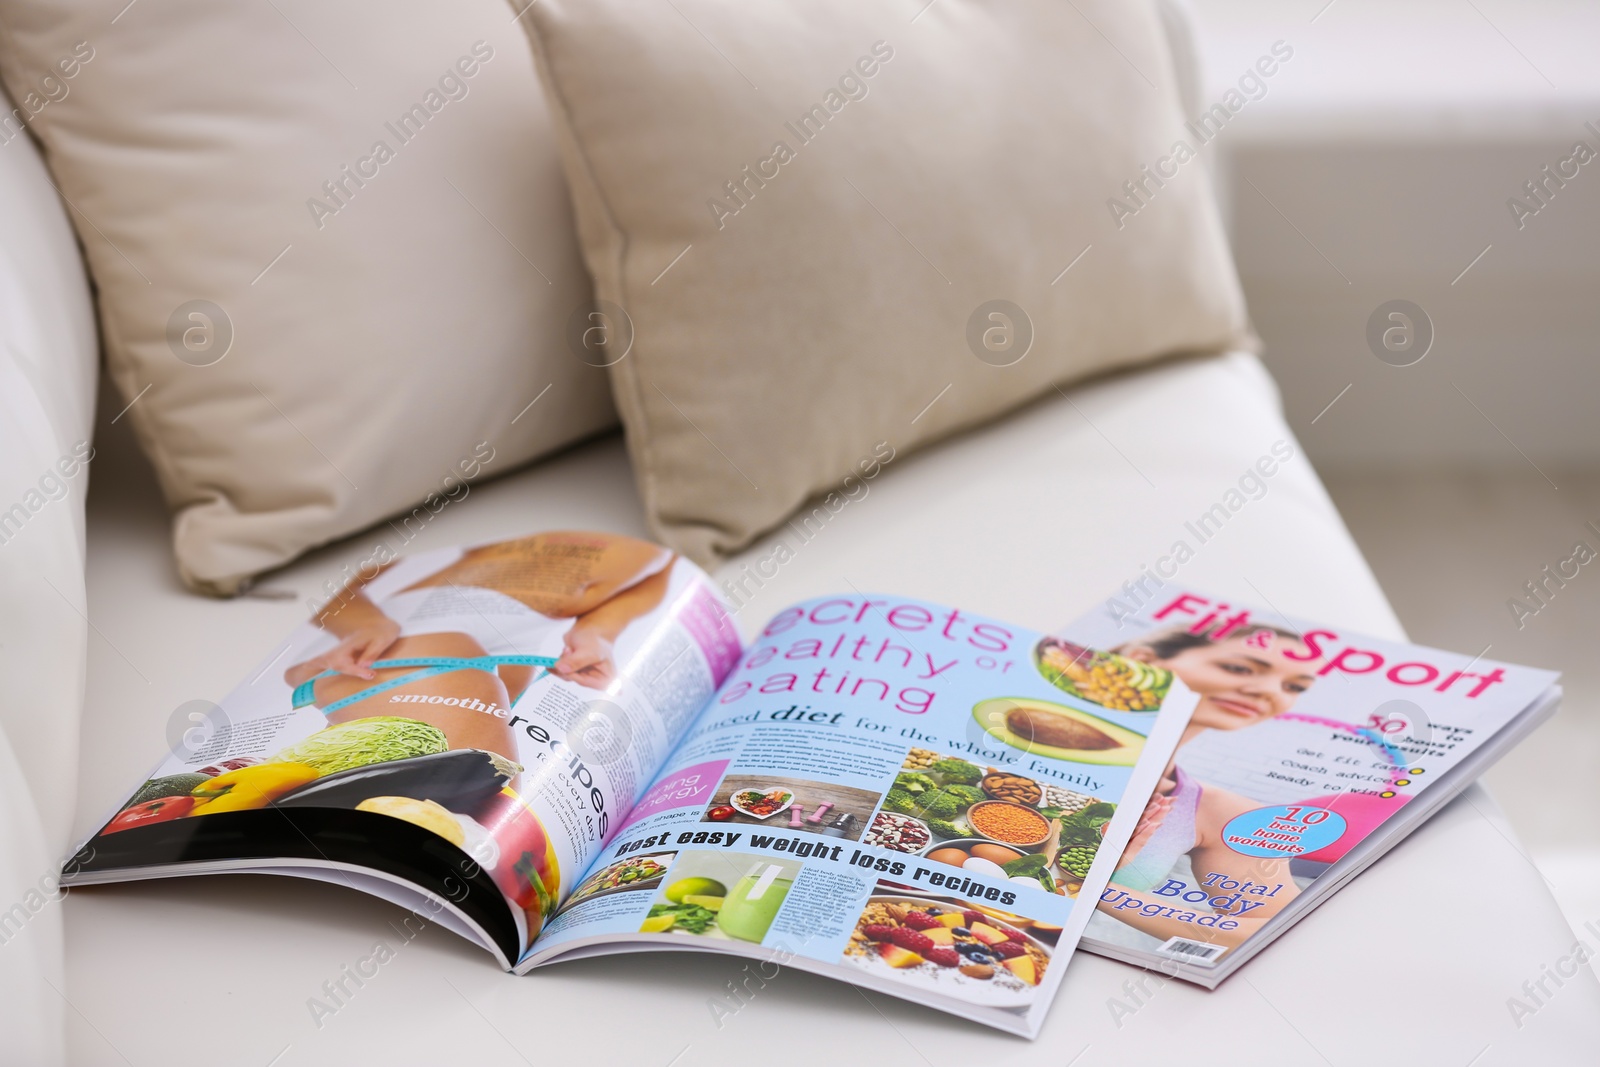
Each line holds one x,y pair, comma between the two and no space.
824,225
332,246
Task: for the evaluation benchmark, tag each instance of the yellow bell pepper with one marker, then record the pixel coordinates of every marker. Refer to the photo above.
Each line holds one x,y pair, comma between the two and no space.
250,787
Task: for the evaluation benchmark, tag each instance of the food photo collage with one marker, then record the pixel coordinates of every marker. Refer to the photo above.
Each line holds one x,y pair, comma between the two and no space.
945,809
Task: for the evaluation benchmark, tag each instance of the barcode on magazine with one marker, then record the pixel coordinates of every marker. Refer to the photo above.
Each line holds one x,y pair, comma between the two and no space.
1196,952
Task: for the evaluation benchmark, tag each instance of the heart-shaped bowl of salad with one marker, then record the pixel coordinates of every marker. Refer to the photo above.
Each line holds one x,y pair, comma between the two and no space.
761,804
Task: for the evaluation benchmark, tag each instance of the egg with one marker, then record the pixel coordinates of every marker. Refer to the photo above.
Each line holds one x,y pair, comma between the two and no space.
953,856
979,865
996,853
1023,879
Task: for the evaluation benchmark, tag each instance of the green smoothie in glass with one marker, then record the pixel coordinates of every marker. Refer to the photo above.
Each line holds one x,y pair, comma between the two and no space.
753,903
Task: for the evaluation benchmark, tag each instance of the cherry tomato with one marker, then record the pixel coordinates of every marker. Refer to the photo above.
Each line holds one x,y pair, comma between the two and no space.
163,809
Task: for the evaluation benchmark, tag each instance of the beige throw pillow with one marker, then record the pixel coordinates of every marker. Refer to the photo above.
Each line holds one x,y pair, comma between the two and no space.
830,225
332,247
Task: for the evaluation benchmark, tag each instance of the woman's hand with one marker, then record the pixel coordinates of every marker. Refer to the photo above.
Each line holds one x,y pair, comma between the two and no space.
353,656
586,659
1155,813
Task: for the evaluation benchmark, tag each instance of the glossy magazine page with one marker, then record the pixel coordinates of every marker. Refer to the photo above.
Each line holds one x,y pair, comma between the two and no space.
898,794
1307,746
466,727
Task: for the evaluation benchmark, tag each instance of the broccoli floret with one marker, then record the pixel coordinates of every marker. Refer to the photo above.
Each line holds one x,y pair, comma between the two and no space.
915,782
966,794
956,770
945,828
898,800
938,805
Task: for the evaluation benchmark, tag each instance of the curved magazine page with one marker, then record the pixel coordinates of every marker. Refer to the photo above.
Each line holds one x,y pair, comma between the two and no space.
1311,751
893,793
476,717
425,908
251,840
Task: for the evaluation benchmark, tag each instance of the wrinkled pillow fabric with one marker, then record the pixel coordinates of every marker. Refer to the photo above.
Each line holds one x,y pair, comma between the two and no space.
332,249
824,229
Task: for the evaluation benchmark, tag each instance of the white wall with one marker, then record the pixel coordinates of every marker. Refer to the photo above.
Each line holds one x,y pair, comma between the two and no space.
1378,165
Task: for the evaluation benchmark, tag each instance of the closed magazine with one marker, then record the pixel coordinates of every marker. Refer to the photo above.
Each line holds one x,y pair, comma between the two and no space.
1313,750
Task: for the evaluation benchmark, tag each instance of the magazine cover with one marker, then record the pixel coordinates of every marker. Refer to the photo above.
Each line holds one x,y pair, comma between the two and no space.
557,746
1312,750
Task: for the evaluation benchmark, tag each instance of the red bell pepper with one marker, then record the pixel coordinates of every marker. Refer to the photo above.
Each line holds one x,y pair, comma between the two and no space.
527,872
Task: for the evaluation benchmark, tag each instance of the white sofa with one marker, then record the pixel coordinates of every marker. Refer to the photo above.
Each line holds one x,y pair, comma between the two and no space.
48,366
1032,519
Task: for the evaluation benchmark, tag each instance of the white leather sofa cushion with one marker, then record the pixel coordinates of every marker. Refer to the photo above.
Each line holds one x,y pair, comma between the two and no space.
1031,520
48,364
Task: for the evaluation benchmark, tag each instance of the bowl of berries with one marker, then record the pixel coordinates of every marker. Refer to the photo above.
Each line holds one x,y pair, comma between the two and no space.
950,946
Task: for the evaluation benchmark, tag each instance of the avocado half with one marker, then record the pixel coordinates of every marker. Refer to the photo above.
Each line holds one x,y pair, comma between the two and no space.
1041,728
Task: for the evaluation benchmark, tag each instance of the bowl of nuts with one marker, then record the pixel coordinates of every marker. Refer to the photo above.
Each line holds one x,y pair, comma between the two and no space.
1003,785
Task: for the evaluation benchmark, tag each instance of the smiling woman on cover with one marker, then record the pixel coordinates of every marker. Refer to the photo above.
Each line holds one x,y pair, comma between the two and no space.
462,627
1243,679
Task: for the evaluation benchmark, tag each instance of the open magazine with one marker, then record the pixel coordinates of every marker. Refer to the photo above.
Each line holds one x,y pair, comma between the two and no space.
1312,752
558,746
